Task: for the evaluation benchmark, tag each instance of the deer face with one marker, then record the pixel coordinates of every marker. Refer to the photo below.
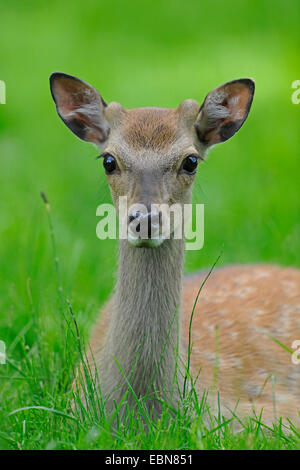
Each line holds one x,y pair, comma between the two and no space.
151,155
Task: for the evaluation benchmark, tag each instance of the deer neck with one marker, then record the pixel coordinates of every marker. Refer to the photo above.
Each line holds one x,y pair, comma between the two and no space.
144,327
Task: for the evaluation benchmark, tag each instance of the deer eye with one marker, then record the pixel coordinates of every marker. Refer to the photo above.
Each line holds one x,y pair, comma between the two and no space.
189,164
109,163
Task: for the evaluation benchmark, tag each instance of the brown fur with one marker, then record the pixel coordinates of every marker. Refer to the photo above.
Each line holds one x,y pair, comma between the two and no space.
238,308
150,128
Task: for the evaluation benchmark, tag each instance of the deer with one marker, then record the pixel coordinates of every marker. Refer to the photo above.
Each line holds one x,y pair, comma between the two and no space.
151,155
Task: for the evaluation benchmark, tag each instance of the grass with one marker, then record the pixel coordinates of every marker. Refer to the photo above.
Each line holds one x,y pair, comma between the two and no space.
158,55
62,416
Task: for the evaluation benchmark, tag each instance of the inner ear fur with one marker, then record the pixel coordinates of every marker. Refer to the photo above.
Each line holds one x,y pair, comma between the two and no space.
80,107
224,111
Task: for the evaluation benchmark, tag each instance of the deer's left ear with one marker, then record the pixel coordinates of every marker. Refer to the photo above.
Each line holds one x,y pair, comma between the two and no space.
224,111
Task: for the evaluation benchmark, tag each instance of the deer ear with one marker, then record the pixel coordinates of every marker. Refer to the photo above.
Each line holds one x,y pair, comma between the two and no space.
224,111
80,107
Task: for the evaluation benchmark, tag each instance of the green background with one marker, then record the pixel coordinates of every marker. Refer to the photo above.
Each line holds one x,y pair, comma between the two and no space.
140,53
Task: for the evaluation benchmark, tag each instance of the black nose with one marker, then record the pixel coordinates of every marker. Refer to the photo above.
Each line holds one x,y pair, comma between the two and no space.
147,221
134,216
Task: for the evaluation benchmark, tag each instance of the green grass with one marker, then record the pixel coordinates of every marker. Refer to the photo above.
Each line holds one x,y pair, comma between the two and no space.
140,54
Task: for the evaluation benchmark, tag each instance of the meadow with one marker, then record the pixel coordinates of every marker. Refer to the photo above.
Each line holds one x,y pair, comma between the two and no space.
55,274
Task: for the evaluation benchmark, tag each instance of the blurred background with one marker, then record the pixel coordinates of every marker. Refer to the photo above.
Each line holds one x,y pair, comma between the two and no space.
150,53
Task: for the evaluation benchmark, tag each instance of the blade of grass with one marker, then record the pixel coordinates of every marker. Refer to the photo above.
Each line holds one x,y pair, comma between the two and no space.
191,321
43,408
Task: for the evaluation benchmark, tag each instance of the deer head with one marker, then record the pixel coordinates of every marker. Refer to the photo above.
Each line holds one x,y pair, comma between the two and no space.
151,155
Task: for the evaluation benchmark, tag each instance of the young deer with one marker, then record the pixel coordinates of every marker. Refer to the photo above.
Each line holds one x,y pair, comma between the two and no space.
151,155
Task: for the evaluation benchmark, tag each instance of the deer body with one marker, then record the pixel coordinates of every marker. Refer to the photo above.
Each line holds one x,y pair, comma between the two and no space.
151,155
238,308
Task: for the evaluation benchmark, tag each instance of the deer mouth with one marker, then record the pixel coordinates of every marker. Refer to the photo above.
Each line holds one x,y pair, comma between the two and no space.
139,242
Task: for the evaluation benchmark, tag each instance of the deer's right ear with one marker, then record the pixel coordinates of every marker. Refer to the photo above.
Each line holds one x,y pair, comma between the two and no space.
81,107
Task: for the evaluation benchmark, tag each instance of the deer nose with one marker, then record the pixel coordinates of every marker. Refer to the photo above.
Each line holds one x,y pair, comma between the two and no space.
133,216
145,225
